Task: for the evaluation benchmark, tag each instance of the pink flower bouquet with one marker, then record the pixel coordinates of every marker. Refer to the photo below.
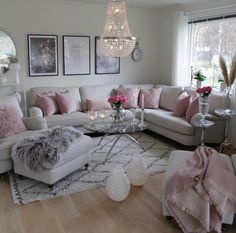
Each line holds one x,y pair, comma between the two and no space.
117,100
204,91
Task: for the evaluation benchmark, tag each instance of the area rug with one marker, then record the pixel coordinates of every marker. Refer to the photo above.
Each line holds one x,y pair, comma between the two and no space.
25,190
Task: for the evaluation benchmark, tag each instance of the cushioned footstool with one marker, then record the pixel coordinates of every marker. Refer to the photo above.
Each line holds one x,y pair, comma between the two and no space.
176,160
77,155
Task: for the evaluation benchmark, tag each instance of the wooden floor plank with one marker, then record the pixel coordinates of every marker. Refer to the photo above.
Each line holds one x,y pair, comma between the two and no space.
89,212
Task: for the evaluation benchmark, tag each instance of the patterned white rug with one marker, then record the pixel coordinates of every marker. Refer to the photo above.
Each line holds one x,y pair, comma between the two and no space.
25,190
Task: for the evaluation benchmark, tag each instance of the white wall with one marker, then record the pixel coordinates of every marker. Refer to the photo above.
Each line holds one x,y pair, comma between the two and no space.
21,17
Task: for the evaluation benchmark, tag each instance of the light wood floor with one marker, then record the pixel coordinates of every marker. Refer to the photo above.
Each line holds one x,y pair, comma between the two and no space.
88,212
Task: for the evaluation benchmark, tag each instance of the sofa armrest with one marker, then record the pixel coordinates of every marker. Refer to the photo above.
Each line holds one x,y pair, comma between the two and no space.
36,112
209,117
35,123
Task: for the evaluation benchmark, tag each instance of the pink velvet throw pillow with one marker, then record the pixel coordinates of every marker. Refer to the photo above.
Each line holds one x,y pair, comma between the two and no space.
65,102
48,104
192,109
182,104
10,121
95,105
151,98
131,94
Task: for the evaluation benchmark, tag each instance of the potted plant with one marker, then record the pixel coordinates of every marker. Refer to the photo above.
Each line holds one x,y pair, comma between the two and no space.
13,62
199,77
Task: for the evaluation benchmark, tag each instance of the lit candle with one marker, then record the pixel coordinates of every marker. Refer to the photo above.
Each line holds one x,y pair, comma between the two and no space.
142,101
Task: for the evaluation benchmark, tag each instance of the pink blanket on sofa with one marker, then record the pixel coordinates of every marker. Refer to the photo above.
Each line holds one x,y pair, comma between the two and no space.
199,194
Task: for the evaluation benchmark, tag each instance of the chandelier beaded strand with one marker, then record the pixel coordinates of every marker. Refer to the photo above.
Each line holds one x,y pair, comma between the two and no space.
116,40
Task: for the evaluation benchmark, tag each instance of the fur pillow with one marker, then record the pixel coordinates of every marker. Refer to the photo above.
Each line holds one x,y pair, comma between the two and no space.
10,121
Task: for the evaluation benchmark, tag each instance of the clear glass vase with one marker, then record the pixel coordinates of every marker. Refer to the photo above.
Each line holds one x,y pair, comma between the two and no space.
227,100
203,106
118,114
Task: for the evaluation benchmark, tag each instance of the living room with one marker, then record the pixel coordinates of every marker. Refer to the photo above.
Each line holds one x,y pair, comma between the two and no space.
27,204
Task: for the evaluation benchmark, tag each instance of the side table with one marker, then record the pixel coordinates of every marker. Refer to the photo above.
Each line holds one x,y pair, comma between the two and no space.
203,124
227,115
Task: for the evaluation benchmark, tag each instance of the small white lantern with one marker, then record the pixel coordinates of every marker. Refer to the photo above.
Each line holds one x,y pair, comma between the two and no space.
118,186
137,172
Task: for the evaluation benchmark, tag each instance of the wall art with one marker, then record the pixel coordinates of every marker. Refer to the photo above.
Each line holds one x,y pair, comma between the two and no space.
43,55
105,64
76,55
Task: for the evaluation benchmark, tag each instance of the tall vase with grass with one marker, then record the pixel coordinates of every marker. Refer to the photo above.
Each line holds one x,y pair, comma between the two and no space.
229,76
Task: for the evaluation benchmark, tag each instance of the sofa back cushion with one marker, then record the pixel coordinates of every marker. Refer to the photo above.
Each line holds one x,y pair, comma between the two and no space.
140,86
96,105
96,92
216,99
14,100
10,121
74,91
169,95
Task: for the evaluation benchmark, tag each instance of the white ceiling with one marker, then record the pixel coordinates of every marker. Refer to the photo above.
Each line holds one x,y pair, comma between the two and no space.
153,4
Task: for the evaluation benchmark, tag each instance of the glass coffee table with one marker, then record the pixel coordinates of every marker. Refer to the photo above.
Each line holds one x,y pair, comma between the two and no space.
123,128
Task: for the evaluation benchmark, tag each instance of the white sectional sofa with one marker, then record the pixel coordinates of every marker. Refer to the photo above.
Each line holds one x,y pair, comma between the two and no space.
161,121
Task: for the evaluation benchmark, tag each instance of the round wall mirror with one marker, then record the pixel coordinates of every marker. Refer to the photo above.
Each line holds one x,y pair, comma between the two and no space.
7,48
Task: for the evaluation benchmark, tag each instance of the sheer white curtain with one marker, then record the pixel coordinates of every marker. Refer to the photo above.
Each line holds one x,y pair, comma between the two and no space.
180,65
233,121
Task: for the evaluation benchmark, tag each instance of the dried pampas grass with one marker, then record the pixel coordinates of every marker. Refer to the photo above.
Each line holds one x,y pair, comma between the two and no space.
229,77
232,74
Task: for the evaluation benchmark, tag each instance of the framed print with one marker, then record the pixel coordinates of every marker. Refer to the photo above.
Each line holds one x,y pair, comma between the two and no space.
105,64
76,55
42,55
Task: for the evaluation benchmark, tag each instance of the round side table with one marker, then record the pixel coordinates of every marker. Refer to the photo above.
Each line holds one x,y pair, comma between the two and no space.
227,114
203,124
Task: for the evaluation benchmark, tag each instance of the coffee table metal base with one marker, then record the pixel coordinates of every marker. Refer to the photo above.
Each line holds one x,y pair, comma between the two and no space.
117,138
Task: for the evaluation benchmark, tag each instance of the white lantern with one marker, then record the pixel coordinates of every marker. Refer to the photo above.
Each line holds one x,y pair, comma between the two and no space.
118,186
137,172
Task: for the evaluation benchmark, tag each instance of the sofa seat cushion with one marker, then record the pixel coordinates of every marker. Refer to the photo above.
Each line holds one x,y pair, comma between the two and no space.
7,143
78,148
167,120
71,119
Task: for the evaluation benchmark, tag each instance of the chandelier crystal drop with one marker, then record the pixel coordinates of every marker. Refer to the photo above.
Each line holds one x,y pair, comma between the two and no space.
116,39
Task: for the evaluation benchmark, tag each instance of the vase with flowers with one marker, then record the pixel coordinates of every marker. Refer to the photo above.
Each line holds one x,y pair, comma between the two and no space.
204,93
229,76
118,113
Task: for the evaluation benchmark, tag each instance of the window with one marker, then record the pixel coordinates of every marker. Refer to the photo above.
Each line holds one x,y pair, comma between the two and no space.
208,39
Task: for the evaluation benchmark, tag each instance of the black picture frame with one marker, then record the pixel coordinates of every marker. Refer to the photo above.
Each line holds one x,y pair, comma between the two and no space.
76,55
105,64
42,55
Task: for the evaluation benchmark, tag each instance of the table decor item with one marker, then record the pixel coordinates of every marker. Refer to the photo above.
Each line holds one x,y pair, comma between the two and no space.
117,186
137,172
118,113
203,93
92,116
229,76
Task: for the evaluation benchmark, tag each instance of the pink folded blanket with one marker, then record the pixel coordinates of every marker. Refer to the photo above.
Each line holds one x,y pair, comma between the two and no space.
202,191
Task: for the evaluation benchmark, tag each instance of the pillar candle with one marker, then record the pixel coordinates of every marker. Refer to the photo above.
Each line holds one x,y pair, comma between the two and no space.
142,101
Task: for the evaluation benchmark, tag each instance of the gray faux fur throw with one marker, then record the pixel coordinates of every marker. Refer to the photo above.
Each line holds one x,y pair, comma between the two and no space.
45,148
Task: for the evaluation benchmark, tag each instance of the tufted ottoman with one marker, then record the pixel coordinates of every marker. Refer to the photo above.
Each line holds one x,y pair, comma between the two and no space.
176,160
77,155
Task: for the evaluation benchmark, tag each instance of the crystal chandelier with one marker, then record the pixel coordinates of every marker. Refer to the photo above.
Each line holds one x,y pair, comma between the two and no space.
116,39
